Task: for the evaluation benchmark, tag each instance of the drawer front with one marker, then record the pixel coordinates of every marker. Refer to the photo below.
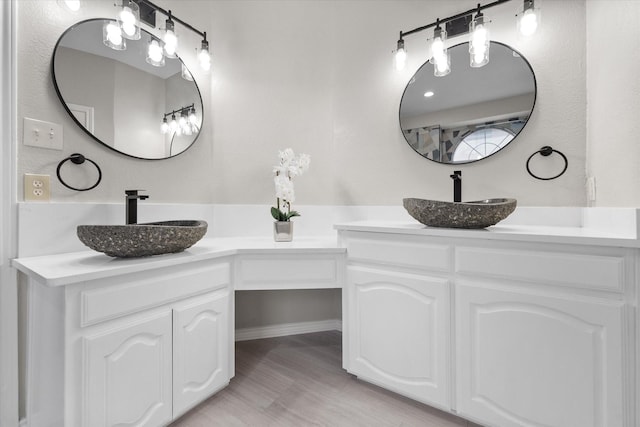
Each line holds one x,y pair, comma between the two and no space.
596,271
108,299
288,272
406,251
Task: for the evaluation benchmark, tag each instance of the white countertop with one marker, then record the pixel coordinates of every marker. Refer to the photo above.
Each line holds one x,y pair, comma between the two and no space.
74,267
522,233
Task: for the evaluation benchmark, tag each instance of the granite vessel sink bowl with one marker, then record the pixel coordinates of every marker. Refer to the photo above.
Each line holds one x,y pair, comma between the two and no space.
138,240
476,214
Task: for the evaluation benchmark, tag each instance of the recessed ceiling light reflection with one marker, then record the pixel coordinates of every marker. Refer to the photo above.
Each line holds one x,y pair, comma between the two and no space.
428,94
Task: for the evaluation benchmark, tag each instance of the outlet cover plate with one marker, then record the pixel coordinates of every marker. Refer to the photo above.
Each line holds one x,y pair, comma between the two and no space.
37,188
38,133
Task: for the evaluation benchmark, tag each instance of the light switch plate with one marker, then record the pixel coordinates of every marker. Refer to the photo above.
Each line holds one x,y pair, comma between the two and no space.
38,133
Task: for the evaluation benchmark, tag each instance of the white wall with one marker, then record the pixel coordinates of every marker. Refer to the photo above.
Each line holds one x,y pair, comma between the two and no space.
613,106
317,76
185,178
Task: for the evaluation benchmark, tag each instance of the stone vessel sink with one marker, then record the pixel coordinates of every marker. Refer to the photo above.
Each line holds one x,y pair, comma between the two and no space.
138,240
476,214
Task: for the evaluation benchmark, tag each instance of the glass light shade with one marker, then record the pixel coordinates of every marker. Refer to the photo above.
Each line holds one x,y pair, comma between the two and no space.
173,125
112,36
203,57
442,65
400,59
479,44
164,127
182,121
170,40
129,20
193,119
72,5
155,56
186,74
528,21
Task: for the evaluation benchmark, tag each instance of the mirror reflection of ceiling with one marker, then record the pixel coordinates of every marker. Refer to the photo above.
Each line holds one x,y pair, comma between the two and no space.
499,95
504,76
119,99
83,38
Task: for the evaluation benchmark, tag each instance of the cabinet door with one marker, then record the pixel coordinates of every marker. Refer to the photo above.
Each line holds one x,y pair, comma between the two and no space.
398,329
127,374
538,360
201,349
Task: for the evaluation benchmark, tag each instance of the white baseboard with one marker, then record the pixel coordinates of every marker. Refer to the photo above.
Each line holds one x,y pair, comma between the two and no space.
285,329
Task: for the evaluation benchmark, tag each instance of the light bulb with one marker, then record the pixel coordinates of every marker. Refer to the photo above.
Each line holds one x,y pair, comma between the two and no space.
203,57
437,48
170,39
442,66
112,36
480,43
528,22
401,55
128,18
154,54
174,124
164,127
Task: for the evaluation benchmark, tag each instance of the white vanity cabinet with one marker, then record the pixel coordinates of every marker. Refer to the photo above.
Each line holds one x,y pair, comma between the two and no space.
130,349
397,317
538,334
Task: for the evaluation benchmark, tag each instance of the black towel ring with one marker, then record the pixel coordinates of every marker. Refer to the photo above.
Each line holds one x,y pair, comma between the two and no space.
78,159
545,152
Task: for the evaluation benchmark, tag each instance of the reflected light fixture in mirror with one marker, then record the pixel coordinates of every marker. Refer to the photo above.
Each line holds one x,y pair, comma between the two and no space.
112,36
479,42
154,53
528,19
129,20
170,39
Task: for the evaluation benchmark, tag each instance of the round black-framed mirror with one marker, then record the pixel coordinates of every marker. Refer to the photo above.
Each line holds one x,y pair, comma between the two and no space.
119,99
471,113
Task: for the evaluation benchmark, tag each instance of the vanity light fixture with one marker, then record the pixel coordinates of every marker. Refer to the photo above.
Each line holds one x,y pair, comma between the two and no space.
164,127
186,123
129,20
479,43
529,19
112,36
154,53
401,55
170,39
440,57
203,56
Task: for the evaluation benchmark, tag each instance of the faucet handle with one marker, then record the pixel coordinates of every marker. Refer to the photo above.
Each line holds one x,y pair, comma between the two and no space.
133,192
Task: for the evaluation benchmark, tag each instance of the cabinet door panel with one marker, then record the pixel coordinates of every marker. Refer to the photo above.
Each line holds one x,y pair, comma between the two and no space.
127,374
533,360
201,349
398,332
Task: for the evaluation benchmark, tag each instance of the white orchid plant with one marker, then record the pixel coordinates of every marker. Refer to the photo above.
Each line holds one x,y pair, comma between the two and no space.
290,166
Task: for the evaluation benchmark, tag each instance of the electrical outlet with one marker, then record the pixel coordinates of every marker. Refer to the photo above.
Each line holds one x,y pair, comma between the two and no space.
36,188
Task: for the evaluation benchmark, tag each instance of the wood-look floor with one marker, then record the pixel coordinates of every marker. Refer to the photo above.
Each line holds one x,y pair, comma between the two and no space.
299,381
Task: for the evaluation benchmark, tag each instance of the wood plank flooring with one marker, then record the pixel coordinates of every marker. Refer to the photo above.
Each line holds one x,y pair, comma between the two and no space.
299,381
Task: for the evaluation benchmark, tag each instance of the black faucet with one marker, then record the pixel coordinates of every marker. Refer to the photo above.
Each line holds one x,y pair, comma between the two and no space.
131,200
457,186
